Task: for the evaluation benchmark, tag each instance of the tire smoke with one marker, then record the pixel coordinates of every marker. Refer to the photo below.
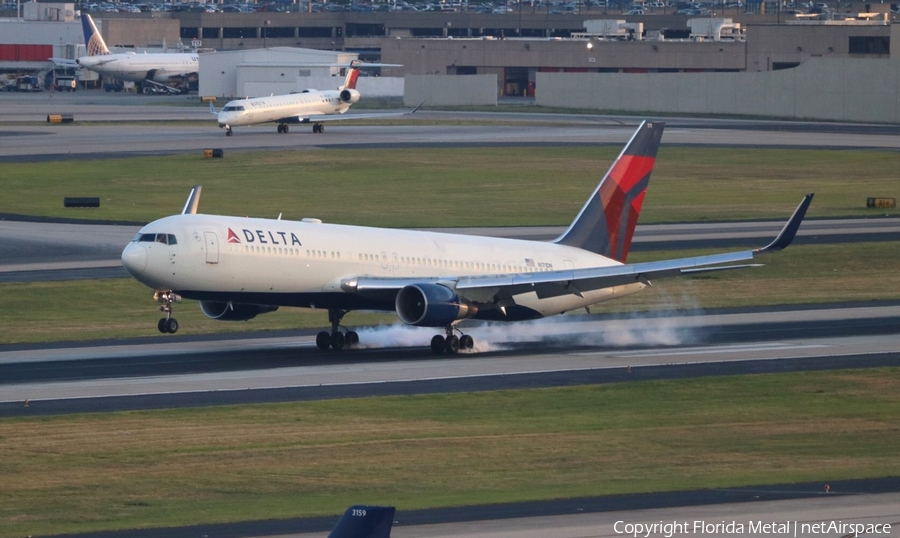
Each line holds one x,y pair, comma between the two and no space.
670,323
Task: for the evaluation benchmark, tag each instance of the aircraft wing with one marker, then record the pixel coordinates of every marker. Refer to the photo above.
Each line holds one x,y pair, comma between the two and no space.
577,281
318,118
64,62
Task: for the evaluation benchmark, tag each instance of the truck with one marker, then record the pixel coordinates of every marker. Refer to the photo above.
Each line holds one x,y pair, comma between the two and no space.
28,83
69,84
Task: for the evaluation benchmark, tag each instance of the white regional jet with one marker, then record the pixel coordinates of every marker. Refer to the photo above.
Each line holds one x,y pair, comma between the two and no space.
239,267
308,106
160,70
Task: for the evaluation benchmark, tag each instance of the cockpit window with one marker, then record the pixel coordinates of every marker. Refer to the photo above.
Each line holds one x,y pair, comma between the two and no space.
165,239
233,108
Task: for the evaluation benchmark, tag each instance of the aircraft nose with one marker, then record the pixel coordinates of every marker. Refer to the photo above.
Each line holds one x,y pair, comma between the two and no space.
134,258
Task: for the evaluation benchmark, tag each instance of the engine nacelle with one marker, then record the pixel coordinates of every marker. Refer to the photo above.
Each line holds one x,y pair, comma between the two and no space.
431,305
234,311
349,96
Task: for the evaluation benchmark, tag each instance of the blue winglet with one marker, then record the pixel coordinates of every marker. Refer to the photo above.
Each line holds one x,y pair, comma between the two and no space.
790,229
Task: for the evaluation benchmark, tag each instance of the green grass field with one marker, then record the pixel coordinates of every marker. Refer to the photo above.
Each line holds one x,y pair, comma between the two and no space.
456,187
185,466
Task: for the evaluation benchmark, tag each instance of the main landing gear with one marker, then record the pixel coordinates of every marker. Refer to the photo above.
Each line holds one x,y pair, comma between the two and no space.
452,343
318,128
336,340
167,324
282,128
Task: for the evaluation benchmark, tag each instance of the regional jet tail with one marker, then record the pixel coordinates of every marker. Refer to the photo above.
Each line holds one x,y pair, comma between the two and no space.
429,279
365,522
309,106
169,72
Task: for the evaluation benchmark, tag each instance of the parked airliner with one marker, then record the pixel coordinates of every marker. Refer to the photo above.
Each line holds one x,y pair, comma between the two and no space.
239,267
308,106
162,70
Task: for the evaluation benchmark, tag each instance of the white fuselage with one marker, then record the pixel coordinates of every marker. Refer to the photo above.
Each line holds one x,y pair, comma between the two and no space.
289,263
277,107
158,67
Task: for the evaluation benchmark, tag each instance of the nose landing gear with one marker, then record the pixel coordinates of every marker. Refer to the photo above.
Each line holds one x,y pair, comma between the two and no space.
167,324
228,130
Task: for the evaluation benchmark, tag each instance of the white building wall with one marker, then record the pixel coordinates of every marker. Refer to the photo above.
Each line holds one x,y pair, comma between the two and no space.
839,89
450,90
262,71
367,86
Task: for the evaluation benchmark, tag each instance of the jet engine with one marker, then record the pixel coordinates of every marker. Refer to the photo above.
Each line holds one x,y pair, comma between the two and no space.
234,311
431,305
349,96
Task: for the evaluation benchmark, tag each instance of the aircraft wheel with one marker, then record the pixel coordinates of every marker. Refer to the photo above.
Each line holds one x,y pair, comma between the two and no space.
171,325
437,344
315,127
228,132
451,344
466,342
280,128
286,129
323,340
337,340
352,338
321,128
162,325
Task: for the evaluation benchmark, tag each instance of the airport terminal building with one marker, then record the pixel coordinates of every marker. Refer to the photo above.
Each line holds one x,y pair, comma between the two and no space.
520,53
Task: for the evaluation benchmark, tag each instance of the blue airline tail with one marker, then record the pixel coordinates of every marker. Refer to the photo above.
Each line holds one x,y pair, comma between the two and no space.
93,41
364,522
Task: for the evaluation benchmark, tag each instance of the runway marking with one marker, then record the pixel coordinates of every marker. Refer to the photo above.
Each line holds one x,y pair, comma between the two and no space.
775,346
284,373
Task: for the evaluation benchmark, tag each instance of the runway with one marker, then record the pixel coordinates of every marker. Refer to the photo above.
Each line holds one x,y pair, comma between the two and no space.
248,368
128,125
573,350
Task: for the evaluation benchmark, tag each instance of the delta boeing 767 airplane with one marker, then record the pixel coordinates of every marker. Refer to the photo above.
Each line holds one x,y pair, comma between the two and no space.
241,267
